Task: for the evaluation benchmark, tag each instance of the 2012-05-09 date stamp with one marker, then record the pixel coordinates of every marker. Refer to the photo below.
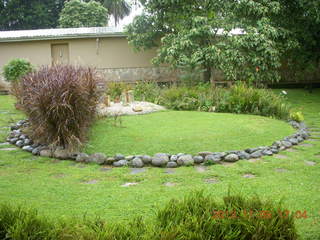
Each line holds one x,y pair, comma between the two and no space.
261,214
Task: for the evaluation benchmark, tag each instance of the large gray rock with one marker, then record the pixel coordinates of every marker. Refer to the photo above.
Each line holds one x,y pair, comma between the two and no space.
137,163
61,154
120,163
286,144
256,154
243,155
198,159
251,150
212,159
146,159
293,141
45,153
36,151
274,150
110,160
185,160
172,165
267,152
231,158
300,139
129,158
98,158
28,141
82,157
13,140
160,159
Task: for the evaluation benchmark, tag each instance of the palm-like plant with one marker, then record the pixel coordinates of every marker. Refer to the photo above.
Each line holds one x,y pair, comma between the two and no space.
118,9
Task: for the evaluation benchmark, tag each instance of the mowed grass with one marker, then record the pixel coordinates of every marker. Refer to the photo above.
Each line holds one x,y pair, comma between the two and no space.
62,188
184,132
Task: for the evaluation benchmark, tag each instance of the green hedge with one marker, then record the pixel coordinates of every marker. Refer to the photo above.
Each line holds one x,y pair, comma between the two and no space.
194,217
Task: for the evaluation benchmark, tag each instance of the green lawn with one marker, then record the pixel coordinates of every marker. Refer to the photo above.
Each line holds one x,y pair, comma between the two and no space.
60,188
186,132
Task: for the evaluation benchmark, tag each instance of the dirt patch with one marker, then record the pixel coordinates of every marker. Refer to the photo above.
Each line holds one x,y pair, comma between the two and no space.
169,184
201,169
281,170
310,163
92,181
253,160
137,170
129,184
280,156
169,171
212,180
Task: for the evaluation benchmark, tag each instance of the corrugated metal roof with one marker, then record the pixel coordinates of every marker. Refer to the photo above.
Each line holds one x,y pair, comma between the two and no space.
60,33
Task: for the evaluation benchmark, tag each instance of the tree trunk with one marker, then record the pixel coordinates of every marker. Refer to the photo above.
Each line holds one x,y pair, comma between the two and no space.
207,74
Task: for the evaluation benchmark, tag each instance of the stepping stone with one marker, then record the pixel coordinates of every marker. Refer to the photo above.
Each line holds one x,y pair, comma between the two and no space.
211,180
128,184
8,149
105,169
137,170
60,175
280,156
248,175
280,170
306,145
170,171
291,149
253,160
169,184
201,169
93,181
310,163
4,144
227,164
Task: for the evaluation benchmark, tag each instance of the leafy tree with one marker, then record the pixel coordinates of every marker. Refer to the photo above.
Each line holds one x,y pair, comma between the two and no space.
81,14
198,35
31,14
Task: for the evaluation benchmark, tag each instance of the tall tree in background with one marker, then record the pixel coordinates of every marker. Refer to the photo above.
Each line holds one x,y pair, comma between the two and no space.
190,38
81,14
118,9
31,14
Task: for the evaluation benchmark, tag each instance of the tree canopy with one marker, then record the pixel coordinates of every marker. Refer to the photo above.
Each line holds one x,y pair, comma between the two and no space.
199,35
31,14
82,14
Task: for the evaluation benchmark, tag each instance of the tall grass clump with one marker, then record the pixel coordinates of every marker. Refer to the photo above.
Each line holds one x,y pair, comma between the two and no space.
200,216
60,103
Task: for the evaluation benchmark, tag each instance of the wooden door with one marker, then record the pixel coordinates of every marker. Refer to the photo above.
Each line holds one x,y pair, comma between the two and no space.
60,53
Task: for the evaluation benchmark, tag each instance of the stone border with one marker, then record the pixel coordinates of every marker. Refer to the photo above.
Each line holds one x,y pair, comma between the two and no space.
21,140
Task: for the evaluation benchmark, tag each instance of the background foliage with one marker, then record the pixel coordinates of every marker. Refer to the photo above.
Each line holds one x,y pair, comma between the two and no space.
16,68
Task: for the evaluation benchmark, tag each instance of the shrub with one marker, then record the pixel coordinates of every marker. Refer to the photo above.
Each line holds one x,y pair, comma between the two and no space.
115,89
297,116
16,69
147,91
60,102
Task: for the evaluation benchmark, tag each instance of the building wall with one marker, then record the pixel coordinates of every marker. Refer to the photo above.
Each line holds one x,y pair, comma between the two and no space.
111,55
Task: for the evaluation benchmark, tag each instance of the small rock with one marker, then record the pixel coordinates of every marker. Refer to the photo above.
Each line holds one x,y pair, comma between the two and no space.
13,140
274,150
256,154
23,137
231,158
98,158
212,180
46,153
137,163
20,143
120,163
169,184
27,148
129,158
205,153
129,184
198,159
173,158
82,157
251,150
146,159
160,160
280,156
172,165
137,108
248,175
119,157
28,141
137,170
110,160
36,151
185,160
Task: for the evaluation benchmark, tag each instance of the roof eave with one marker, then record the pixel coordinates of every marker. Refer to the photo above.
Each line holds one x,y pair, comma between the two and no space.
42,38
